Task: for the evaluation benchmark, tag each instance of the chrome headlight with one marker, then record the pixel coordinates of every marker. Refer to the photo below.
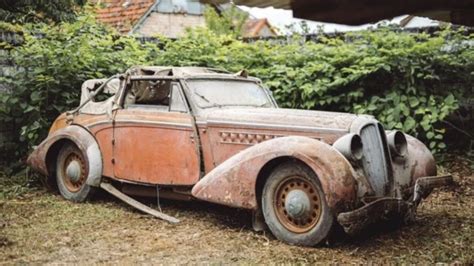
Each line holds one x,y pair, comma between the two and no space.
397,143
350,146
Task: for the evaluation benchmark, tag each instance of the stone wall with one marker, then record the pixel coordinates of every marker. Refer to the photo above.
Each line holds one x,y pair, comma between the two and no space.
8,40
7,70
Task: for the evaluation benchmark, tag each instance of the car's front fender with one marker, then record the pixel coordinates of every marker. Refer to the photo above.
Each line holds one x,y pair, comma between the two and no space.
234,182
83,139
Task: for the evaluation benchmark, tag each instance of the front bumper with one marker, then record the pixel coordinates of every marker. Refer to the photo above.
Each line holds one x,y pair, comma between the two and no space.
388,208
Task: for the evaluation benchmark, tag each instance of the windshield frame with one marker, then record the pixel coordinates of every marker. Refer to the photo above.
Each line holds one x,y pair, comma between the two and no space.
192,95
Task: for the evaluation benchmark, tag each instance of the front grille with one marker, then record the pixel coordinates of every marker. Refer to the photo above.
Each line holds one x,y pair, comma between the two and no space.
376,159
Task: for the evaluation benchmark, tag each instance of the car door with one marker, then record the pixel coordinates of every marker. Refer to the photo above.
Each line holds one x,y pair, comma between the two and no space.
154,141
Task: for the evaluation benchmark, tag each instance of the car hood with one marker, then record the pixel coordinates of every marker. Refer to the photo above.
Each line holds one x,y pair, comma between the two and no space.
279,118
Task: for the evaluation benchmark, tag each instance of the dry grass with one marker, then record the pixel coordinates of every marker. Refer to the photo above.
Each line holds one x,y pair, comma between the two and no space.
41,227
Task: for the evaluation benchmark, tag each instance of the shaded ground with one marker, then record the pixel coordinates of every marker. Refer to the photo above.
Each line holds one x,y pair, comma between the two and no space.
39,226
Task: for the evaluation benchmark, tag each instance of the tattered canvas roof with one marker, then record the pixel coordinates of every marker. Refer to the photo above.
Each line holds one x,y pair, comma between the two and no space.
172,71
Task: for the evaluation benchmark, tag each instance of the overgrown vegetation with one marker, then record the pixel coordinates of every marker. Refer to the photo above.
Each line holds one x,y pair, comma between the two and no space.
409,81
56,61
21,11
14,186
226,22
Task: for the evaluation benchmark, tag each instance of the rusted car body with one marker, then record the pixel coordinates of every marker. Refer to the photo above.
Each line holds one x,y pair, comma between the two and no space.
198,133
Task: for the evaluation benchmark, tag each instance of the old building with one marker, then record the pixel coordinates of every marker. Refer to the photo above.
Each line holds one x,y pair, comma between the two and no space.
258,28
169,18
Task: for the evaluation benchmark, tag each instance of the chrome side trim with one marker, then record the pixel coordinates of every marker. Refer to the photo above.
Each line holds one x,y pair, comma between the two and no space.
229,124
143,122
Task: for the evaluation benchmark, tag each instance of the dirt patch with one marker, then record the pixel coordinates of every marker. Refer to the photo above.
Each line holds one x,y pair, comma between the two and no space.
41,227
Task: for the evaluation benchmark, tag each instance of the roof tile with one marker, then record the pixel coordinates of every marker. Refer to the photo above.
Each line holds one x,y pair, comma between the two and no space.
122,14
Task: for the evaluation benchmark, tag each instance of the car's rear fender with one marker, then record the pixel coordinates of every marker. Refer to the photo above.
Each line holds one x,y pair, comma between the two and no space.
43,158
235,181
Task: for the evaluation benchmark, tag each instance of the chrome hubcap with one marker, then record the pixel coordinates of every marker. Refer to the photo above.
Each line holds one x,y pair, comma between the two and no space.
73,171
297,204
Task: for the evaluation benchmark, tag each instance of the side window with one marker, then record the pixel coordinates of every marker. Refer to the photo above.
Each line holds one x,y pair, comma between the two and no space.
161,95
149,94
177,103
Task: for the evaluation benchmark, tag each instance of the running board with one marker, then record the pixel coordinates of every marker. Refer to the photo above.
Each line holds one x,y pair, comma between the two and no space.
138,205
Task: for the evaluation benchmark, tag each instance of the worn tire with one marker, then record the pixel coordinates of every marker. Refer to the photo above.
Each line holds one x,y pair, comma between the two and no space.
308,230
72,185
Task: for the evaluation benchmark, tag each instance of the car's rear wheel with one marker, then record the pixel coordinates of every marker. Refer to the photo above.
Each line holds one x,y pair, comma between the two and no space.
71,174
294,206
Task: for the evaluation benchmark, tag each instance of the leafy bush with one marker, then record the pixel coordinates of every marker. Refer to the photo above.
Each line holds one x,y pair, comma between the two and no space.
35,11
56,60
409,81
230,21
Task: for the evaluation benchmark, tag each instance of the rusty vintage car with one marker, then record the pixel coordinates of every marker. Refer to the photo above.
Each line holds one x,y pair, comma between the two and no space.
199,133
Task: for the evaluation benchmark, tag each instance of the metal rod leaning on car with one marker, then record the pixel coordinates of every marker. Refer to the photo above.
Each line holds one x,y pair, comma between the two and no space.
138,205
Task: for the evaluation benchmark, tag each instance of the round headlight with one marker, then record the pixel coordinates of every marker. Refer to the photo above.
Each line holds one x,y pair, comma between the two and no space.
350,146
397,143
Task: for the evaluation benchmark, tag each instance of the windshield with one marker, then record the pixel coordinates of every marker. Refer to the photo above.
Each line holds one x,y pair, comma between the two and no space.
219,93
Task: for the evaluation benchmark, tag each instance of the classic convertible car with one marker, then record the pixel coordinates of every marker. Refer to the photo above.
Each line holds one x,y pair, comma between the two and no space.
198,133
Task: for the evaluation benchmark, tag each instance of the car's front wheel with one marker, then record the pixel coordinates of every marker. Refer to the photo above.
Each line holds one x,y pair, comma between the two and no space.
71,174
294,206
